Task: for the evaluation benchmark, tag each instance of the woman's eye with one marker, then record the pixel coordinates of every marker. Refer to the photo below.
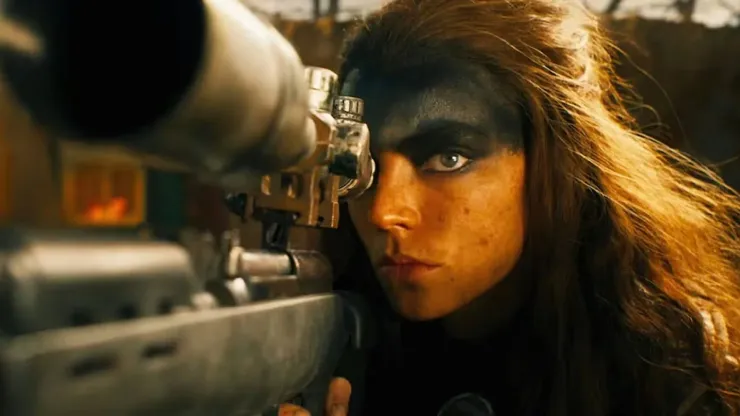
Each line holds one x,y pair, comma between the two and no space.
445,162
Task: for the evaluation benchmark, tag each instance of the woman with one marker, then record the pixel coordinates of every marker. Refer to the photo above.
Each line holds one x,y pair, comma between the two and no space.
543,257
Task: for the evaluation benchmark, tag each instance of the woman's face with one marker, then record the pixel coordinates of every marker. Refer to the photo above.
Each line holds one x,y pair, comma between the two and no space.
445,219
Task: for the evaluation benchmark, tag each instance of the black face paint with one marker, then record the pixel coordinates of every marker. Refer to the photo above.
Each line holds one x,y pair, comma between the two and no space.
447,108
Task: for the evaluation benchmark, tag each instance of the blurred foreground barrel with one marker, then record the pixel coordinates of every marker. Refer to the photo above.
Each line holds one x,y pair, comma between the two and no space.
204,85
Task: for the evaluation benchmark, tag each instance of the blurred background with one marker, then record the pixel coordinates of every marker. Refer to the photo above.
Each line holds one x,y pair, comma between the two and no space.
682,57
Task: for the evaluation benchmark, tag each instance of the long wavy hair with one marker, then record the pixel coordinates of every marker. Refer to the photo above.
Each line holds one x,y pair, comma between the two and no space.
633,244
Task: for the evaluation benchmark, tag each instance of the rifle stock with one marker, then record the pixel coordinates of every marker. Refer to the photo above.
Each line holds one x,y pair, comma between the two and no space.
230,361
122,334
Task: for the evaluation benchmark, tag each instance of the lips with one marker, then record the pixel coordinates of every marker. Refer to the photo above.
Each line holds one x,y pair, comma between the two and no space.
406,269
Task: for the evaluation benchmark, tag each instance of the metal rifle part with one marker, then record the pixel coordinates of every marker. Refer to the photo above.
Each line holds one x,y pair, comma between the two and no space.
341,167
95,322
201,86
129,332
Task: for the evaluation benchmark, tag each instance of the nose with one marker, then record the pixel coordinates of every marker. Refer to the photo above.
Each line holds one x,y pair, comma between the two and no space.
395,206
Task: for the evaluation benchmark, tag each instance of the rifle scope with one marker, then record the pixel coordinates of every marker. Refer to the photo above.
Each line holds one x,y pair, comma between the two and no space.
204,85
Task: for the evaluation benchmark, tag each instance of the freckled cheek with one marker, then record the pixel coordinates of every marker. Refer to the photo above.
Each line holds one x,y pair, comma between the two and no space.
438,213
452,221
500,227
486,229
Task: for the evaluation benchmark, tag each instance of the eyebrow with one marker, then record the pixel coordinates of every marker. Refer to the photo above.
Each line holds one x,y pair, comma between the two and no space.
435,136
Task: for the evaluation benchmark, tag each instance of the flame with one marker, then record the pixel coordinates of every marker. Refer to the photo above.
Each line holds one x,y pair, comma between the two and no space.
111,212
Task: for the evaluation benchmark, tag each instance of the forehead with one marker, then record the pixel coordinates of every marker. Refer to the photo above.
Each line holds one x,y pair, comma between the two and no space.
398,106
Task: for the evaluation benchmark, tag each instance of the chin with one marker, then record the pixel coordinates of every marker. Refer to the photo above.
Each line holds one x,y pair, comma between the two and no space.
419,308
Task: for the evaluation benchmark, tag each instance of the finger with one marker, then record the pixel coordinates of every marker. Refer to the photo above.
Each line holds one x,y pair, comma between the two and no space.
337,400
288,409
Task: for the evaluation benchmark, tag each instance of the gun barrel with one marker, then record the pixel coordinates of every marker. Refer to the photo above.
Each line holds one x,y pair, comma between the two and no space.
204,85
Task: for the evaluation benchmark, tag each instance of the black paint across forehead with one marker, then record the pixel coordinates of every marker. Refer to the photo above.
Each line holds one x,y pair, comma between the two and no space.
456,95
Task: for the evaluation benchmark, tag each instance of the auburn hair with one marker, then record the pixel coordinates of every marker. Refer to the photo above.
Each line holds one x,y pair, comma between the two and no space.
634,244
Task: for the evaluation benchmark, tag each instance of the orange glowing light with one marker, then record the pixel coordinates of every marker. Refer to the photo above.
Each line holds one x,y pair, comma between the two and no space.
111,212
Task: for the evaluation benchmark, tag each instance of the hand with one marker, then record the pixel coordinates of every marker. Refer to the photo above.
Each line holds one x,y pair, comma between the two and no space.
337,401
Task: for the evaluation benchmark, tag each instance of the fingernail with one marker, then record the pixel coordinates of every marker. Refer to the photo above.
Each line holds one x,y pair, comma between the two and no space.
338,410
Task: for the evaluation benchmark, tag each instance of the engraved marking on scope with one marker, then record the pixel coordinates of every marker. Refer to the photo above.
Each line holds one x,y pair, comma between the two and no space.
349,108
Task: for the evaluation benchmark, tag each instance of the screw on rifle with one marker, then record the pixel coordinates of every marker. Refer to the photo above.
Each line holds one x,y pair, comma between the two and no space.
276,233
237,204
